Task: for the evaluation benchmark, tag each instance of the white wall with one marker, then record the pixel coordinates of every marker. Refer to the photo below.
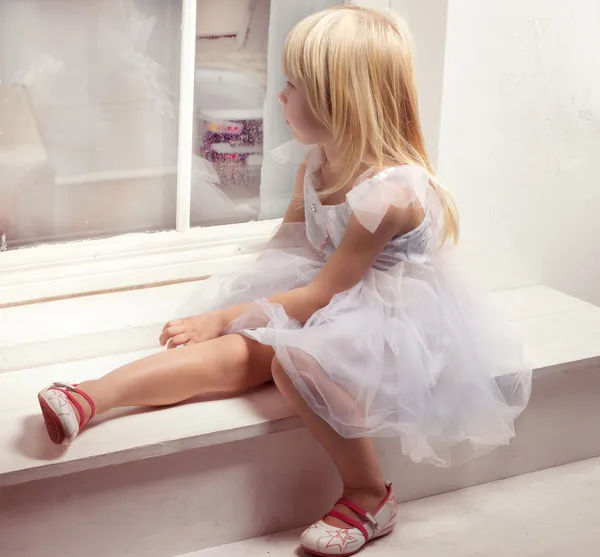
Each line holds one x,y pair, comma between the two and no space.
427,22
520,139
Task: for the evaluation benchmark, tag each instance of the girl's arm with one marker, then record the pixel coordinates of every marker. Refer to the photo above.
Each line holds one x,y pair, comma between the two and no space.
344,269
178,332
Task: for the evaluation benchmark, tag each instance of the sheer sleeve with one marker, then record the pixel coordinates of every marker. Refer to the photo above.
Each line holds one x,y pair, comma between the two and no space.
397,187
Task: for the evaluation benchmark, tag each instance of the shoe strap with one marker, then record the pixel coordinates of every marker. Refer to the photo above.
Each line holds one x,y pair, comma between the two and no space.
359,511
350,521
67,389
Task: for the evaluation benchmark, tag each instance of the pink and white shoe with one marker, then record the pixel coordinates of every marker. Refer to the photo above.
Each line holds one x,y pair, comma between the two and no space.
57,404
323,539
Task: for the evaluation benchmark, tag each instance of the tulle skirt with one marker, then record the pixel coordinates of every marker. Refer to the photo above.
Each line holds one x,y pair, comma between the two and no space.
410,352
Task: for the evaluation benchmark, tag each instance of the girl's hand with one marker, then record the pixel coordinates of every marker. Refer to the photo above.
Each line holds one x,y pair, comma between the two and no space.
193,330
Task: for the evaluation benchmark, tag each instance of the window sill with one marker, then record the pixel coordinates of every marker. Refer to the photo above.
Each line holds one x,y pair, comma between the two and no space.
130,261
136,435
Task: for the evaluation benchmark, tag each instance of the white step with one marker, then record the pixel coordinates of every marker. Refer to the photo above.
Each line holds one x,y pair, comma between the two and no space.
557,331
125,322
135,435
219,473
553,513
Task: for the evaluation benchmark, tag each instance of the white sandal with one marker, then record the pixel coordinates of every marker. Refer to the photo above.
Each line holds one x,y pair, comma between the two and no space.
323,540
57,404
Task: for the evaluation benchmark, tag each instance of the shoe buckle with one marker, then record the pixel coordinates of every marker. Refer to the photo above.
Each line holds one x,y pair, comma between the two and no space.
61,385
372,521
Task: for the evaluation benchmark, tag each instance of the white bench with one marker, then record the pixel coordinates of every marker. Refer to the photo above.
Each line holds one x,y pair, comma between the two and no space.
561,336
558,331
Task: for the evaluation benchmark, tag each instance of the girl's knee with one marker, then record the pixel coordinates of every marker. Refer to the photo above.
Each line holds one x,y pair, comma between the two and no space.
277,371
248,362
236,350
282,380
276,366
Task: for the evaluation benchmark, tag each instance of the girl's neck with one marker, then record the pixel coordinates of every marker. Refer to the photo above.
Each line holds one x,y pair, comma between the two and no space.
332,154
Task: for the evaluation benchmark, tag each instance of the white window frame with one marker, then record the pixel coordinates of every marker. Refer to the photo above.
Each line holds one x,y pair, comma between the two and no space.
140,260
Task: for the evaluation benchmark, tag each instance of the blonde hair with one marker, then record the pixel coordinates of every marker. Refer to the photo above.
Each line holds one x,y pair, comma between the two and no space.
357,66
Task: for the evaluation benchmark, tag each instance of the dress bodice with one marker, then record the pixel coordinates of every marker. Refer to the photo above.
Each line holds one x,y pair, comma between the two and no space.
326,224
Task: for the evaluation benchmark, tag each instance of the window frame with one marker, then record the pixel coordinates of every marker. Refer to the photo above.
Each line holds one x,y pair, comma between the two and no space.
139,260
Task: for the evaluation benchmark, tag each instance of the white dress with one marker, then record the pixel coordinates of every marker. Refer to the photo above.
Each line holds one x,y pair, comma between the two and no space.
409,351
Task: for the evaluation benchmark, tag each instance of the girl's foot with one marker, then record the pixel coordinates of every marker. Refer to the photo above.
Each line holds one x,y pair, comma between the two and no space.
359,528
367,499
66,409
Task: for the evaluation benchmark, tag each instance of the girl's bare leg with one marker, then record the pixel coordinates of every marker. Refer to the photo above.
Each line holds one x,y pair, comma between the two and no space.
355,459
226,365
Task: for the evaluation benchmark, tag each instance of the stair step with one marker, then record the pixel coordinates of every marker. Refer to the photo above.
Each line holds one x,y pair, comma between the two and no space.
551,513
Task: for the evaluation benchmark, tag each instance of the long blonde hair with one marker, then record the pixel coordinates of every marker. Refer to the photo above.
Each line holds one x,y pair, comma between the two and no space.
357,66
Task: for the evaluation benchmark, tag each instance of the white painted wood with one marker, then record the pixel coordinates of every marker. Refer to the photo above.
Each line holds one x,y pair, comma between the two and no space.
563,338
129,321
61,270
33,336
186,115
184,502
133,436
173,504
545,514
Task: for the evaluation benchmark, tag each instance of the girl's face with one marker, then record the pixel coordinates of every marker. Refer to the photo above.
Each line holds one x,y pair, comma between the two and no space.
304,125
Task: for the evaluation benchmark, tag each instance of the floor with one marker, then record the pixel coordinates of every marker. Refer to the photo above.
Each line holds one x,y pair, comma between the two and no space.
553,513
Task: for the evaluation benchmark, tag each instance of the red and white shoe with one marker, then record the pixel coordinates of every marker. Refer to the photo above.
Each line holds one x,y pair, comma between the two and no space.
58,404
323,539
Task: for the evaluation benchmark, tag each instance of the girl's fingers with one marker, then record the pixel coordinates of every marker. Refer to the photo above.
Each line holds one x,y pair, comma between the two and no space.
173,323
170,332
178,340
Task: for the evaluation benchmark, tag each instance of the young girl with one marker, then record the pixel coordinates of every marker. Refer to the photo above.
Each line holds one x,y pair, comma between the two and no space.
353,309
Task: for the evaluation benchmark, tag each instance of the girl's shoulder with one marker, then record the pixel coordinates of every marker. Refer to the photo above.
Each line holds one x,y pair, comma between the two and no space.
411,181
380,189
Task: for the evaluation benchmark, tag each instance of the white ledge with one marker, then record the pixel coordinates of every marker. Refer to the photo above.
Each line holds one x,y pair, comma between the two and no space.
28,455
90,266
560,334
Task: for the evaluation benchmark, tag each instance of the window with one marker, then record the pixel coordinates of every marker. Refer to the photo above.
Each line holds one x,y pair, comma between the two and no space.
230,91
136,116
89,118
